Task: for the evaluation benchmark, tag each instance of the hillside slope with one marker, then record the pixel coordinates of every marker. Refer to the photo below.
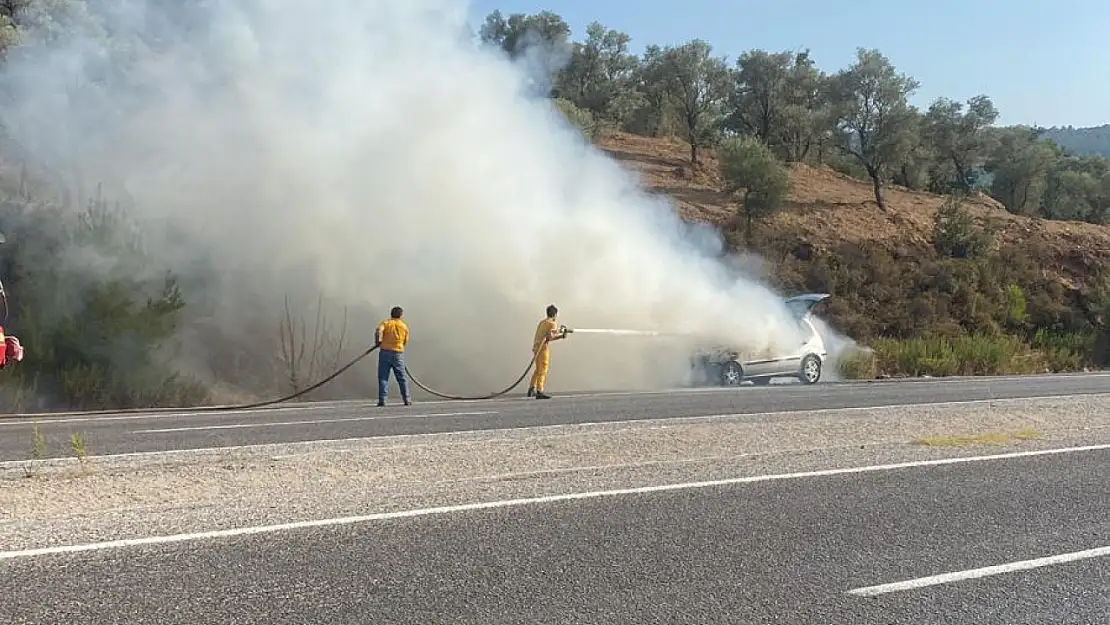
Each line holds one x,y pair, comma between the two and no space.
881,266
826,209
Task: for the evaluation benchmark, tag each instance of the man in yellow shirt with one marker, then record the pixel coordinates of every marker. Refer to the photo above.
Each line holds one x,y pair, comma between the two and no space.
546,331
391,336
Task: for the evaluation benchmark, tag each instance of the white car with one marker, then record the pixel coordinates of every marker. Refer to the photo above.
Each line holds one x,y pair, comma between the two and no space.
727,367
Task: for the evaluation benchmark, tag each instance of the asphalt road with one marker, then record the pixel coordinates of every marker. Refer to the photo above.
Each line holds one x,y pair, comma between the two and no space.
785,551
126,433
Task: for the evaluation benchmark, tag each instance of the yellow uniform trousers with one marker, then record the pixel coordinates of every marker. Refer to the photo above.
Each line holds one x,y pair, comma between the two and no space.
543,362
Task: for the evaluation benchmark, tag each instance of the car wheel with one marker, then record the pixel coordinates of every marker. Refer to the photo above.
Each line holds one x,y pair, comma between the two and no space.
811,370
732,374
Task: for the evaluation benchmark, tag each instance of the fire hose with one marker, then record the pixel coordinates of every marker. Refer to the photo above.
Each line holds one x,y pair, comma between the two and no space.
270,402
563,330
508,389
261,404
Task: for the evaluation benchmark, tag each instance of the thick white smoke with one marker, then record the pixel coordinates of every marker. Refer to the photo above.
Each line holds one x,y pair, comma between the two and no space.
368,150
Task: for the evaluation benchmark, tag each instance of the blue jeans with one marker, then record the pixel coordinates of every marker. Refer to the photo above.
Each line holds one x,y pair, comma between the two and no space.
395,362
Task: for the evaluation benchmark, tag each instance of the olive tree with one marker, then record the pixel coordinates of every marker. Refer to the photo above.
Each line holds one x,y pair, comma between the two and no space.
749,169
877,126
779,98
600,74
960,136
696,85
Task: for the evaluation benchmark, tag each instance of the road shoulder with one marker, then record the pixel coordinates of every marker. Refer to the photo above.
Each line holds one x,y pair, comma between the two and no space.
105,499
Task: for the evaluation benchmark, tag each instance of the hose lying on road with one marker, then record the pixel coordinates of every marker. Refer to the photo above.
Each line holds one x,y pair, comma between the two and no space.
344,368
225,407
417,382
411,377
270,402
338,372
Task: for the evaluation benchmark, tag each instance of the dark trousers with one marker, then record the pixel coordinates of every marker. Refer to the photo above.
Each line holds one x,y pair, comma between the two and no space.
395,362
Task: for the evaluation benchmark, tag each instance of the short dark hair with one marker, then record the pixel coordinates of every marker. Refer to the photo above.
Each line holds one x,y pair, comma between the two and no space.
552,311
396,312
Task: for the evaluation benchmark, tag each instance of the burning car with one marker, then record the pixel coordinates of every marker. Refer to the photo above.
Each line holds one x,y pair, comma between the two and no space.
726,366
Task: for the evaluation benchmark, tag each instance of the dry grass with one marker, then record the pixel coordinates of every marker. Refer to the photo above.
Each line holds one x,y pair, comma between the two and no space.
827,208
664,167
992,438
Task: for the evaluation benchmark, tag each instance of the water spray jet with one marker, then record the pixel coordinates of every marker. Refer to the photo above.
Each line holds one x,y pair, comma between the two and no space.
616,331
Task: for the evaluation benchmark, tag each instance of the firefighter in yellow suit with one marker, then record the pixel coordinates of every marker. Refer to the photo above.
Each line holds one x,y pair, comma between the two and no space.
546,331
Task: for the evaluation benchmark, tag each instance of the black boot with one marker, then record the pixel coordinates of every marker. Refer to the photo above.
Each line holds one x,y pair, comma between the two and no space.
542,395
531,392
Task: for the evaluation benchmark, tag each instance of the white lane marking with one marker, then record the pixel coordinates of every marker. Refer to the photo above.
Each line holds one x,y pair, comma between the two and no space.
24,421
48,418
511,503
263,424
52,417
979,383
662,421
218,414
987,571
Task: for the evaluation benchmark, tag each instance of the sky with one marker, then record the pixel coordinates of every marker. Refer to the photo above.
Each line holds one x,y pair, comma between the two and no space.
1042,62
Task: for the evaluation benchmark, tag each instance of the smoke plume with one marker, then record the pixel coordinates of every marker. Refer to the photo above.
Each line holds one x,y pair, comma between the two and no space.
369,151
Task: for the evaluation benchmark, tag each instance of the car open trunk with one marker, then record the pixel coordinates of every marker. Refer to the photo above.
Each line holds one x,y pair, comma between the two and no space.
801,305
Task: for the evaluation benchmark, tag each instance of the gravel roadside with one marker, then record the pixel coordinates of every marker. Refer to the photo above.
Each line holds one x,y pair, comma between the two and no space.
110,498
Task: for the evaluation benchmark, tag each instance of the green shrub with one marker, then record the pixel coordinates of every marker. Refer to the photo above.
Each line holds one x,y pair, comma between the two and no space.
976,354
857,365
580,118
955,233
1065,351
1099,309
992,355
1015,305
882,294
97,318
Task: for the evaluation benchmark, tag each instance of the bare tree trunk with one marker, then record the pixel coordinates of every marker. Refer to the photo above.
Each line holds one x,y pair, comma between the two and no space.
961,172
877,184
804,152
693,153
903,177
1022,197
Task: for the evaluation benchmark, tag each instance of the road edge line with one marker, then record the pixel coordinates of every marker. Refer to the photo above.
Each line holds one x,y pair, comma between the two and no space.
986,571
619,423
512,503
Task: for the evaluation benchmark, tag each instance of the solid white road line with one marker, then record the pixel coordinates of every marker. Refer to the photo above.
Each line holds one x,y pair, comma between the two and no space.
146,416
239,426
660,421
509,503
221,414
987,571
556,426
64,417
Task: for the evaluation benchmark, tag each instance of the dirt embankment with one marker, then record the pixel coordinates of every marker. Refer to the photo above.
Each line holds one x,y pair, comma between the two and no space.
827,208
